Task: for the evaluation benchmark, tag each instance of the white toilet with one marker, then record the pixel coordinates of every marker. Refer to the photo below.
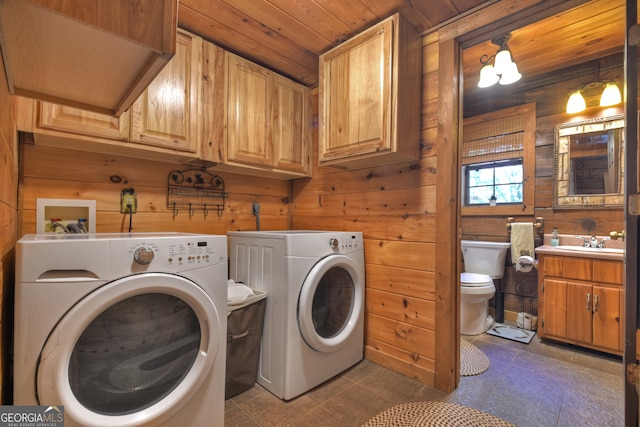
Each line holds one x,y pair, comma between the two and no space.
483,262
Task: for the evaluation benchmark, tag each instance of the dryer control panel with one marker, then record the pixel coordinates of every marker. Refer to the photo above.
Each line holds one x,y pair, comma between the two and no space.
346,242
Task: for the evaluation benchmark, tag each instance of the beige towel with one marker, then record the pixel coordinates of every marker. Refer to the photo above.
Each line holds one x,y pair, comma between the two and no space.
521,240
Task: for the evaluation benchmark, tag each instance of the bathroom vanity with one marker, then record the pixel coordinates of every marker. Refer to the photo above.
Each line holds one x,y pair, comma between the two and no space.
581,296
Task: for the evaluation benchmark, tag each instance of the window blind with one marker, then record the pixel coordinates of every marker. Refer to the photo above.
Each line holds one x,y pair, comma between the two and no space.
492,140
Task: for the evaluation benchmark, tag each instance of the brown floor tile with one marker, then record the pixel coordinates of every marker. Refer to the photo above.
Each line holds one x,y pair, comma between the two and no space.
537,384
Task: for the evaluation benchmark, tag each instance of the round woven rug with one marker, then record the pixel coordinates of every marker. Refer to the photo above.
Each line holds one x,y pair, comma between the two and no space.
472,360
434,414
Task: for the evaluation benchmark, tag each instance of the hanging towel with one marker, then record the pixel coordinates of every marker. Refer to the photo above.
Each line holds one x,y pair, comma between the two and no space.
521,240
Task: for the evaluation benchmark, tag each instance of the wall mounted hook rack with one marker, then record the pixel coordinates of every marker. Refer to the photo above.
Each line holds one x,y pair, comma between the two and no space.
195,189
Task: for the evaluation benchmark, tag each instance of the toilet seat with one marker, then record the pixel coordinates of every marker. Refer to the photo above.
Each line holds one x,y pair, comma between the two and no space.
474,280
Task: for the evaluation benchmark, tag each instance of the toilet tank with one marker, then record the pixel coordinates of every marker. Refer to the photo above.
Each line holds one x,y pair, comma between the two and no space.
484,257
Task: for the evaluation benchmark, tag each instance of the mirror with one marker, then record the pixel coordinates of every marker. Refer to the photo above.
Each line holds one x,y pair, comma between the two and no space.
588,164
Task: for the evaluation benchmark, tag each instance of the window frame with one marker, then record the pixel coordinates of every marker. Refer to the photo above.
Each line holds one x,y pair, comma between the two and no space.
528,112
516,161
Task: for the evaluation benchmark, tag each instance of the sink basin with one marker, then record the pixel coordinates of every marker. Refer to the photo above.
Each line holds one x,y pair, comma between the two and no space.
589,249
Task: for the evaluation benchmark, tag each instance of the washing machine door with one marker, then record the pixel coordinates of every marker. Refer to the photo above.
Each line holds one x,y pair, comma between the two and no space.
331,303
132,352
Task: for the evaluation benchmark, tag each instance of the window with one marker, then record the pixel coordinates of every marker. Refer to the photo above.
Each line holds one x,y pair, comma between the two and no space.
498,159
501,180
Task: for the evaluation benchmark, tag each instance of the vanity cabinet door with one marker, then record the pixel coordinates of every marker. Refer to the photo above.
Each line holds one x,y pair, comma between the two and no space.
607,315
582,302
554,316
579,312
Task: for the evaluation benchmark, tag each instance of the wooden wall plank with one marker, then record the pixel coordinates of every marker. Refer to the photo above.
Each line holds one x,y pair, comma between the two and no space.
9,164
401,335
88,177
414,200
386,178
408,255
412,365
405,227
415,311
411,283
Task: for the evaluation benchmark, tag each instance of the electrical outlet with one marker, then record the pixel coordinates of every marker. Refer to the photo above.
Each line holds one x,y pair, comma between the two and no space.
128,201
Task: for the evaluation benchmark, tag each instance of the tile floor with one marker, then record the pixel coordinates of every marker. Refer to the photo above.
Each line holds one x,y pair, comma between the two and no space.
538,385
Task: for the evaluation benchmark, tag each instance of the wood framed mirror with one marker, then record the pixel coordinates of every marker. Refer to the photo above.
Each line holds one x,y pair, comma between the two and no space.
588,164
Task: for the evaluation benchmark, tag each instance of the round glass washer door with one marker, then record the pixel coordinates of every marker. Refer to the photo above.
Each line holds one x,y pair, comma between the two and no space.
131,353
330,303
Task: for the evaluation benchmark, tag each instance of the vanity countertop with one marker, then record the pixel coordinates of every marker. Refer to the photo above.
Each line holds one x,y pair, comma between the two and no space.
579,252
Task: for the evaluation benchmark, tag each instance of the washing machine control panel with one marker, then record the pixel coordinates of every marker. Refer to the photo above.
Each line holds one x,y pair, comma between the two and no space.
346,243
143,255
174,253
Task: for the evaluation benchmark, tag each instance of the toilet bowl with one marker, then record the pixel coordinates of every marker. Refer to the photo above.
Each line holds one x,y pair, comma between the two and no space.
475,292
483,261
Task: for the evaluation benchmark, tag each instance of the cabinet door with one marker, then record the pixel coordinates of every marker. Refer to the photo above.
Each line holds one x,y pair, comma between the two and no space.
579,312
607,314
554,316
249,104
81,122
356,95
167,115
291,132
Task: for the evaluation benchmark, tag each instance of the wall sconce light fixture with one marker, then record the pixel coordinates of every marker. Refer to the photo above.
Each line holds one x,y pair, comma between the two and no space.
503,70
610,96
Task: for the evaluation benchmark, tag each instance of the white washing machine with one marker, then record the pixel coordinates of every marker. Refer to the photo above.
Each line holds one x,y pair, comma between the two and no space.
122,329
314,319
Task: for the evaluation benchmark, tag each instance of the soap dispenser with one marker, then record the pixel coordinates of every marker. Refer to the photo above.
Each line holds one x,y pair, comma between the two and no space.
555,241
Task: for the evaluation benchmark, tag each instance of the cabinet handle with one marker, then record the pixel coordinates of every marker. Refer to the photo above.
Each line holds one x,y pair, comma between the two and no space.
595,310
588,301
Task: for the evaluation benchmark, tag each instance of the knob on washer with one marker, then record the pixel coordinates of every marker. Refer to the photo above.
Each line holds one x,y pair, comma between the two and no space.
143,255
333,242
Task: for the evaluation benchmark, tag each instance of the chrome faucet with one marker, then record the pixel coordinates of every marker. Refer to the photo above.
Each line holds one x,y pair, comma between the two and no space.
592,242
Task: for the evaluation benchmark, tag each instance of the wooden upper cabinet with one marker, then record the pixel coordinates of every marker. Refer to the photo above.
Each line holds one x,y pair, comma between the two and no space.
291,127
267,129
164,123
369,98
249,105
168,112
58,117
97,55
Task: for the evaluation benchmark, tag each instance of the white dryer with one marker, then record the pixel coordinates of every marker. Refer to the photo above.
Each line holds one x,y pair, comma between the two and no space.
122,329
314,319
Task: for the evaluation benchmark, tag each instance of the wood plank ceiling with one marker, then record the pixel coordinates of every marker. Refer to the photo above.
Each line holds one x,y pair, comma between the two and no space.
289,35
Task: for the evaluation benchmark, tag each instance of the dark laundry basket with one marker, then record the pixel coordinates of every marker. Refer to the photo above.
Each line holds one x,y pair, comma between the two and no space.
244,331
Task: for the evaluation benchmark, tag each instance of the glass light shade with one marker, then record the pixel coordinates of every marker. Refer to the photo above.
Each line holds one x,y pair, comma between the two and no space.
576,103
610,95
510,74
488,76
502,61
